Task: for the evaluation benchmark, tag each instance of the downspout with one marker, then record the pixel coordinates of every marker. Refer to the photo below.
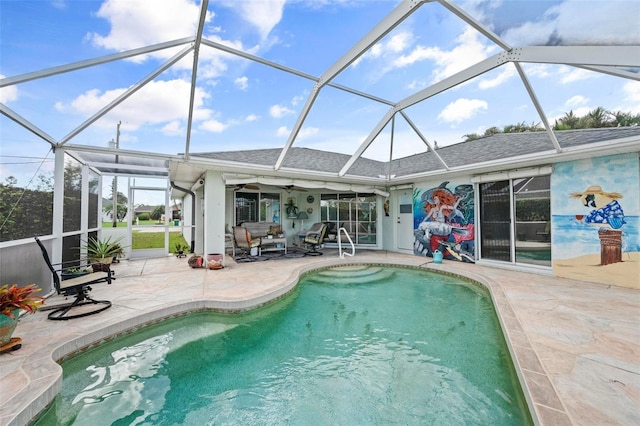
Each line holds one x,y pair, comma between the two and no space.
193,213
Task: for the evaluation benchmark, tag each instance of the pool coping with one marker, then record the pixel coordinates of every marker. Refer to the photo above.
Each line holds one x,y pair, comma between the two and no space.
44,375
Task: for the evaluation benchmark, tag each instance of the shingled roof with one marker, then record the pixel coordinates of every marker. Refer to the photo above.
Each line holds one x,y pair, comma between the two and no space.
477,151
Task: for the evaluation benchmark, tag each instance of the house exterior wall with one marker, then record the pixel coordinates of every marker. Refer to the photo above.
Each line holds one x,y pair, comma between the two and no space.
595,207
589,242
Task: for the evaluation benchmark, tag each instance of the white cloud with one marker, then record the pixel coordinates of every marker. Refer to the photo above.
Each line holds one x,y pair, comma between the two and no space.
213,62
631,90
506,74
136,23
59,4
468,50
279,111
173,128
562,73
416,85
213,126
263,15
559,24
242,83
571,75
9,93
155,103
307,132
575,101
538,70
399,52
296,100
304,133
252,117
462,109
387,49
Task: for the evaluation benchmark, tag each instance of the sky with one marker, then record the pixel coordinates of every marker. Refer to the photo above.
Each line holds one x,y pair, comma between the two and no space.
241,104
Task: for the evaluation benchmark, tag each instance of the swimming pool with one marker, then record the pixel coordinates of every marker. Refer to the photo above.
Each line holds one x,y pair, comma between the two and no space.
361,345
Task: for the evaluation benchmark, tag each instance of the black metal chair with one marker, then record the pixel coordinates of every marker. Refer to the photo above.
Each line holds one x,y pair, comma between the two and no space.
314,238
78,287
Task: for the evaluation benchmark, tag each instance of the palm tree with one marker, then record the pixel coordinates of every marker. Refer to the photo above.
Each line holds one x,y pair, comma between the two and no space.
471,136
598,118
625,119
569,121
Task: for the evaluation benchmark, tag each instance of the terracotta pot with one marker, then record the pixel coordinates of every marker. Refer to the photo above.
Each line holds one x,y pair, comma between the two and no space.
7,326
214,261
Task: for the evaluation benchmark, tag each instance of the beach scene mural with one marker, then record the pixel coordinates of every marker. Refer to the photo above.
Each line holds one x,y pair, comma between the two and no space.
443,218
595,205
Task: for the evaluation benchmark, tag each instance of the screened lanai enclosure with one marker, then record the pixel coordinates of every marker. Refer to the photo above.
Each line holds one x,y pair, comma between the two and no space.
191,117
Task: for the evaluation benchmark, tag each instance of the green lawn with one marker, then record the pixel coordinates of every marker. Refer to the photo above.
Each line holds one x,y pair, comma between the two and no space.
146,240
124,224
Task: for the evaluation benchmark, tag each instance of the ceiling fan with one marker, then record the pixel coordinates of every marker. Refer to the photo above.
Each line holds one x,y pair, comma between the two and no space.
246,186
290,188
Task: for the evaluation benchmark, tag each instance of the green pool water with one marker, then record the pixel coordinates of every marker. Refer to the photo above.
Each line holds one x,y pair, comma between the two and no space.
354,345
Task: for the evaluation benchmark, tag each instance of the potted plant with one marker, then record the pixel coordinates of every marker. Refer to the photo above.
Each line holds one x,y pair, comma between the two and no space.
12,299
69,273
291,208
180,249
101,252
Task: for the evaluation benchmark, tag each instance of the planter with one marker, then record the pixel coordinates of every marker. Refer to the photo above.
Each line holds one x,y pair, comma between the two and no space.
214,261
7,326
101,265
195,261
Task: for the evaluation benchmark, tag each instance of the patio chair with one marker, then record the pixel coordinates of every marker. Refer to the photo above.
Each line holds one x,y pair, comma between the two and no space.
243,239
78,287
314,238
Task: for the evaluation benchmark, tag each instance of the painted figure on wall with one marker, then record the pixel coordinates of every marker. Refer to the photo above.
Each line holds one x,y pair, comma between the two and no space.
444,219
595,219
608,215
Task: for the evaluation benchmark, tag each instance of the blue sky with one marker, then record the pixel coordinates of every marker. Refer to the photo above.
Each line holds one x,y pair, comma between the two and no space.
245,105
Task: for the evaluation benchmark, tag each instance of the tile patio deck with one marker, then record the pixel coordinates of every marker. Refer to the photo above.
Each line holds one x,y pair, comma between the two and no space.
576,344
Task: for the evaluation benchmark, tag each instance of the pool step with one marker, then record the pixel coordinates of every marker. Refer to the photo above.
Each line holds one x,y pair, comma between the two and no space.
352,275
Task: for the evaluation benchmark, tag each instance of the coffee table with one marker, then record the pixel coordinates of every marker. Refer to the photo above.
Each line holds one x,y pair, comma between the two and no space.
272,244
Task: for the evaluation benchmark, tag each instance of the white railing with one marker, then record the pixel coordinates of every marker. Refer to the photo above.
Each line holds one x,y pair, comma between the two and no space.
353,247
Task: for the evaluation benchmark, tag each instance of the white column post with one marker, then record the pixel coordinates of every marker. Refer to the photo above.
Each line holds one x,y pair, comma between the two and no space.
214,212
58,205
84,203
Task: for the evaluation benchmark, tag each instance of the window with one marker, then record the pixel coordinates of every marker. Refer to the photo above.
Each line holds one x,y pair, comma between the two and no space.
72,195
94,185
357,213
257,207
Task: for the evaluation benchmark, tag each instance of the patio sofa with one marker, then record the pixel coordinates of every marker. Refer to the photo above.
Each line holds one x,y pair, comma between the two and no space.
260,229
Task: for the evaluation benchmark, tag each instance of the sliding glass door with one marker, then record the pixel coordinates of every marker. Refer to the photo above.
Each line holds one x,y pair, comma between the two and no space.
515,220
495,220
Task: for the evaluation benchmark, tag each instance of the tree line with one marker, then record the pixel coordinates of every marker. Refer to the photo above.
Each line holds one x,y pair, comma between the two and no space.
594,119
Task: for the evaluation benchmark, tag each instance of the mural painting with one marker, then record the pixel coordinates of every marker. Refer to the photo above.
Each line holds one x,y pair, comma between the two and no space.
444,221
596,206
